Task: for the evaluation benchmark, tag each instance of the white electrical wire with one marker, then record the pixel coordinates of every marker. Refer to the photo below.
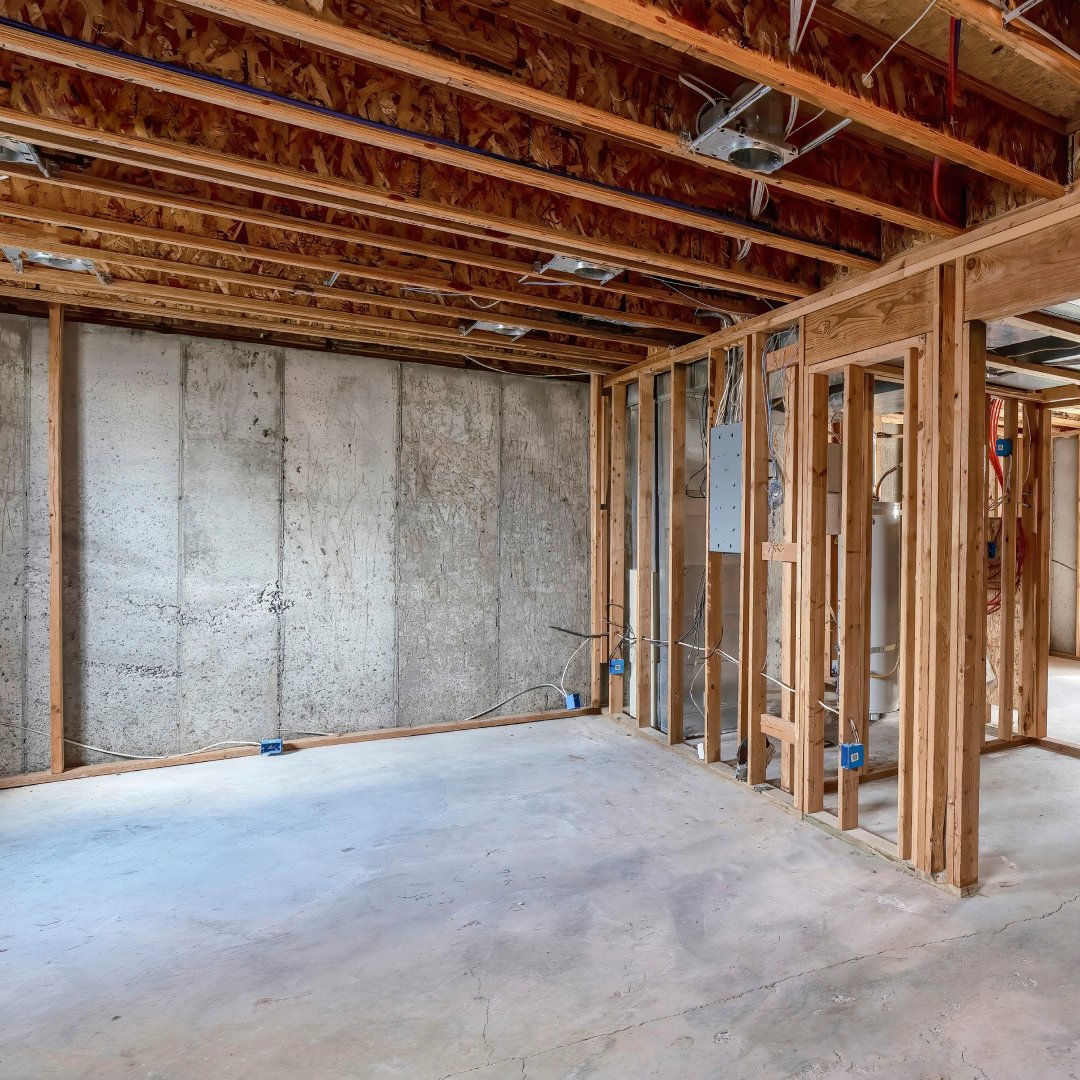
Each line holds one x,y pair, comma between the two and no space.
867,78
699,86
513,697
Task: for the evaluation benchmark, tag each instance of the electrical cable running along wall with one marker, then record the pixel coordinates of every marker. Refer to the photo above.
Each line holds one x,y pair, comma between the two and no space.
263,541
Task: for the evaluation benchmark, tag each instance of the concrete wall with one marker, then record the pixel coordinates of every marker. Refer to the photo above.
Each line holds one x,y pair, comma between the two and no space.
264,541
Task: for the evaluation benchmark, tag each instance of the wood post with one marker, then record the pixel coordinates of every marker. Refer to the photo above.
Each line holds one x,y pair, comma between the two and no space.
911,469
853,628
676,554
56,538
714,563
789,572
598,596
646,466
967,666
812,631
754,643
1010,508
617,600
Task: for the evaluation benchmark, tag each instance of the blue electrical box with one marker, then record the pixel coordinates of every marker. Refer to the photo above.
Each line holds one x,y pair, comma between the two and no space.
851,755
271,746
616,666
573,701
1003,447
991,549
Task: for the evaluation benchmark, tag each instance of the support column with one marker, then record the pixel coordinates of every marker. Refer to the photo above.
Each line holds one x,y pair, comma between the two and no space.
967,667
56,538
1010,508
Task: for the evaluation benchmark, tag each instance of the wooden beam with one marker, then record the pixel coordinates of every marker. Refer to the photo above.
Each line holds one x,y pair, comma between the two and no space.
655,23
40,238
789,581
495,167
351,42
56,537
288,255
332,322
676,554
644,650
618,621
986,18
251,174
160,197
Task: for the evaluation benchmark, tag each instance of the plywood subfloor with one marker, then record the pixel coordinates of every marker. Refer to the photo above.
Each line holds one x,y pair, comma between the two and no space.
552,901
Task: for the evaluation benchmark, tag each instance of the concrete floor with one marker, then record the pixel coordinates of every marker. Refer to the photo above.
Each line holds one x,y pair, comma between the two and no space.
560,900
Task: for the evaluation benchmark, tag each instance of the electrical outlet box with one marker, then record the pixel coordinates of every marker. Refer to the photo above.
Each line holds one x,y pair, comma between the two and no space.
852,755
271,746
573,701
616,666
991,549
1003,447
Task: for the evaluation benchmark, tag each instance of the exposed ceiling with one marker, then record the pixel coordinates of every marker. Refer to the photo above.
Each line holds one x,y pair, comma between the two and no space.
379,176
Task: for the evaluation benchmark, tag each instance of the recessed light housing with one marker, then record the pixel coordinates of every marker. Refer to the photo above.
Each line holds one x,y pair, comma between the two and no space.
20,257
572,266
17,152
501,328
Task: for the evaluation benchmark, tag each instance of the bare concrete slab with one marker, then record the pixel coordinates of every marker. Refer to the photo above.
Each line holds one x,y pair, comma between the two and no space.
559,900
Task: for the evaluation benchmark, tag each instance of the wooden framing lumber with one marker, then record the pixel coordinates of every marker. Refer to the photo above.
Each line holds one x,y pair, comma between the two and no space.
656,24
189,86
854,682
791,377
1010,508
753,646
598,584
268,178
714,583
618,621
810,685
967,672
644,649
909,554
514,93
676,585
56,537
986,18
114,768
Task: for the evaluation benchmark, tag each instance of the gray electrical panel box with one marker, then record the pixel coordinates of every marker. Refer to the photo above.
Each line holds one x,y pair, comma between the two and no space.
725,488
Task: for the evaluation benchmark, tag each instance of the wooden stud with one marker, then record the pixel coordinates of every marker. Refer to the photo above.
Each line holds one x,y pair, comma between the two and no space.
1010,507
714,566
853,629
56,538
753,646
967,669
789,571
617,600
676,554
644,650
813,546
908,572
598,591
